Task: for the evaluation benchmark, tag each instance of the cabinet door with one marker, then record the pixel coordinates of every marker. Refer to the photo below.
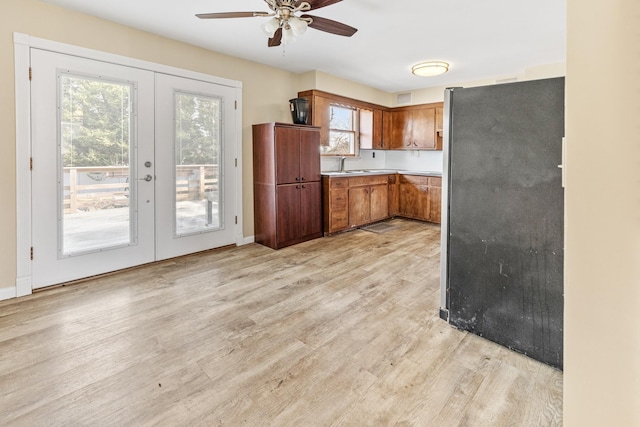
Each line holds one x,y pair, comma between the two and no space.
310,208
394,195
287,142
288,213
359,206
378,125
379,202
366,129
413,201
401,129
435,204
309,155
439,126
387,127
423,128
321,118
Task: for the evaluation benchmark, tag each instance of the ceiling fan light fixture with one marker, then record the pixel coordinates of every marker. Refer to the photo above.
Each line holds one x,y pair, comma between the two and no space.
298,26
271,26
288,36
430,68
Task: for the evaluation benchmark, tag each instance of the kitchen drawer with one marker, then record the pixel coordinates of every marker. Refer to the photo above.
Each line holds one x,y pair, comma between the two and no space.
435,182
359,181
338,183
339,198
339,219
414,179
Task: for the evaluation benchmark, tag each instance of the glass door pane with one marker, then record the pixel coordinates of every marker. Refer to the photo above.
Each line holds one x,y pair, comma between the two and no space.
94,156
197,171
92,132
196,187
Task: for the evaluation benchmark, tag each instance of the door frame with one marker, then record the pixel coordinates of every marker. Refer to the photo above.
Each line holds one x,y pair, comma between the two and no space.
23,43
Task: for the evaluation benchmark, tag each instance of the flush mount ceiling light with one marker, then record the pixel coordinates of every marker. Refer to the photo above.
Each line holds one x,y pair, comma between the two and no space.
430,68
285,24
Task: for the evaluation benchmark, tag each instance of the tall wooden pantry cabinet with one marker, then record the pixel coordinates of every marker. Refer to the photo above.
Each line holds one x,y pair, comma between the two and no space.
287,190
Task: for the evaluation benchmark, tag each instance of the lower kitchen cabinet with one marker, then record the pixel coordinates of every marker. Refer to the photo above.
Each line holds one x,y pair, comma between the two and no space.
435,199
368,204
394,197
356,201
368,199
335,202
420,197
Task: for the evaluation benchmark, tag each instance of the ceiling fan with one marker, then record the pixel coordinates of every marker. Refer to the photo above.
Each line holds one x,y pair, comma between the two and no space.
286,25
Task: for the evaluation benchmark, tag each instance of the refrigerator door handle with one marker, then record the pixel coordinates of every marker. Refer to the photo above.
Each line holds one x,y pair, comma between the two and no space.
564,160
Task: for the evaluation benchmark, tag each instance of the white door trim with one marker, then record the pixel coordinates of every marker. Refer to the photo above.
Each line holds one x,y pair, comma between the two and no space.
22,45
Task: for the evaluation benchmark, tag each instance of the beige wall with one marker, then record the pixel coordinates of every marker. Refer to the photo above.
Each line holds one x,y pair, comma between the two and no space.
602,286
262,102
332,84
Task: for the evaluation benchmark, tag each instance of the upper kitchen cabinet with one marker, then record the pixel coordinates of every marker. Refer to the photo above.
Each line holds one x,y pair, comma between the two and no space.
320,116
370,118
439,127
372,126
414,127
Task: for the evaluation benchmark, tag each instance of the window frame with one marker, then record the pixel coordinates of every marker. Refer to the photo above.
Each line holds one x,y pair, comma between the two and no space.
354,131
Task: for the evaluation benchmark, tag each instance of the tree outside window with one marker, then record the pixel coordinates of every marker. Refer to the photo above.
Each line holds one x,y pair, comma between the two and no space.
342,131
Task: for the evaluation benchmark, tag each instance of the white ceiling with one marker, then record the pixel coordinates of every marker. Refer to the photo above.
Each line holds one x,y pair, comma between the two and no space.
481,39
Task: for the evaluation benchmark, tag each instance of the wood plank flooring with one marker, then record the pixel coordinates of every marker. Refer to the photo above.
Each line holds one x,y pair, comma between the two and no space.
339,331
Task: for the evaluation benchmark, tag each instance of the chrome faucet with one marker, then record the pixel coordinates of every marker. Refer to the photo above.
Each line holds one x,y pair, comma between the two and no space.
342,163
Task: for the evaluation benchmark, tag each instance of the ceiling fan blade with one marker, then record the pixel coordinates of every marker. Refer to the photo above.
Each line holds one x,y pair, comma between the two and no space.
317,4
276,39
231,15
330,26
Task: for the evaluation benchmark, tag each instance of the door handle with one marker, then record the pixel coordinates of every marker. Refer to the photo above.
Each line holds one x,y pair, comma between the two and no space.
146,178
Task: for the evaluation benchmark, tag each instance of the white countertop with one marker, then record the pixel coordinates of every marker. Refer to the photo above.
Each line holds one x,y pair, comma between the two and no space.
359,172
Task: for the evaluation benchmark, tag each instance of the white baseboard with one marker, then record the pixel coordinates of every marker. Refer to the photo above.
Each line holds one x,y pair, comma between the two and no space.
7,293
248,240
23,286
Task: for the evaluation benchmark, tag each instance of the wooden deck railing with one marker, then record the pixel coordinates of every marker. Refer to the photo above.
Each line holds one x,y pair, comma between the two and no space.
111,186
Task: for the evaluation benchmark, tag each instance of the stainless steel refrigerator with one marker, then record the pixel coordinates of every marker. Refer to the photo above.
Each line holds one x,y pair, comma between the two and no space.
503,213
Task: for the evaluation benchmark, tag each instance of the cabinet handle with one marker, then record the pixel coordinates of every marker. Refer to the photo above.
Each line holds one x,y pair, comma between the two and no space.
302,179
304,186
297,179
297,187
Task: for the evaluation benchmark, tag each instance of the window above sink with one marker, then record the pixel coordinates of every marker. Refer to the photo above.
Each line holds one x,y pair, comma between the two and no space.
343,131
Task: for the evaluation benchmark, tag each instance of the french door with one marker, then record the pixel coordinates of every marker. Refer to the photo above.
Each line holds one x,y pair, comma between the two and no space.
195,200
129,166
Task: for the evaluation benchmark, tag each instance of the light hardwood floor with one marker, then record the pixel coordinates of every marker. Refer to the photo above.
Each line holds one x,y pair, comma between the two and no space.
339,331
